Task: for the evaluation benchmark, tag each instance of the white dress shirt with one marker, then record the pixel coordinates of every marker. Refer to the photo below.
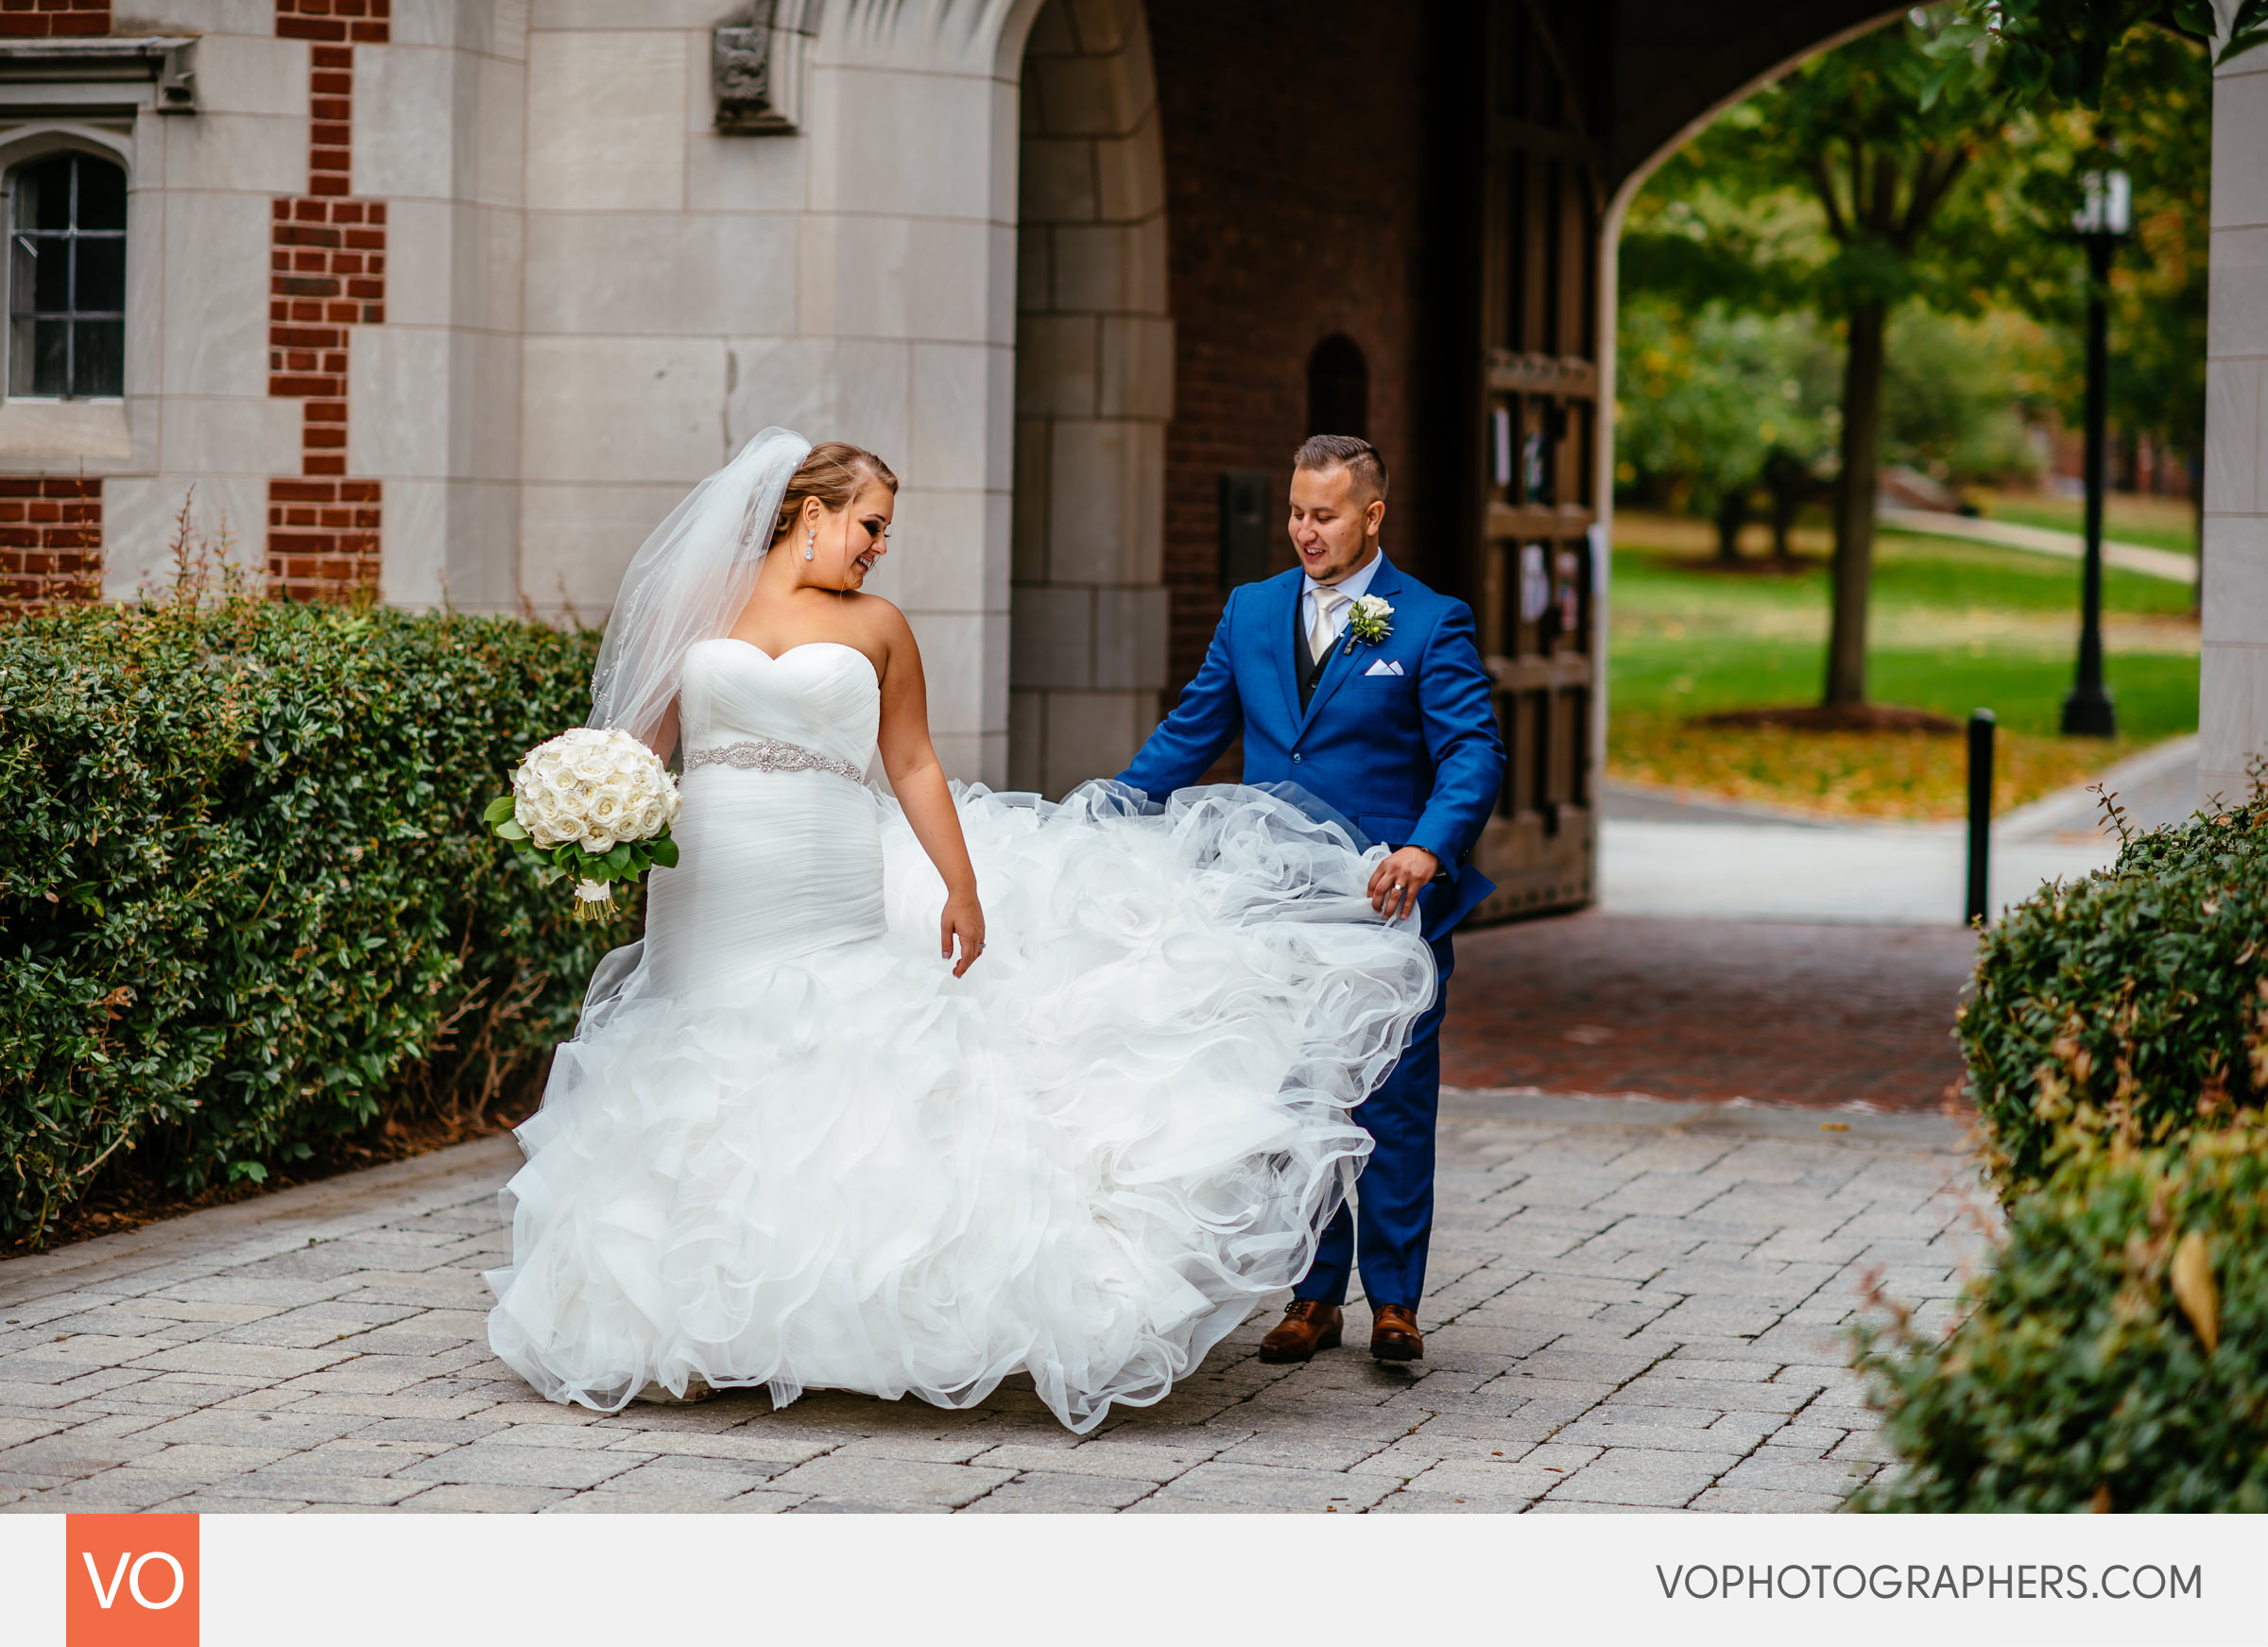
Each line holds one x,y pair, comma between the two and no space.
1353,587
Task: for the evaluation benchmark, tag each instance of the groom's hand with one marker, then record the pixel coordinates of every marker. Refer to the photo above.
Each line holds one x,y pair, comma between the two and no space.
1399,878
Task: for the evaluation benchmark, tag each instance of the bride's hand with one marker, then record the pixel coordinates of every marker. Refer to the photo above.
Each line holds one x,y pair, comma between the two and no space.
964,918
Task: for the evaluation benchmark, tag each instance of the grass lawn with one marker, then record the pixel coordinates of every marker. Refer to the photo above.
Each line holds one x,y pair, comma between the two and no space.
1954,626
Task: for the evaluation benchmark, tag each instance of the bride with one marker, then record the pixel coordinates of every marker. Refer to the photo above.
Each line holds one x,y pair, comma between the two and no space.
908,1091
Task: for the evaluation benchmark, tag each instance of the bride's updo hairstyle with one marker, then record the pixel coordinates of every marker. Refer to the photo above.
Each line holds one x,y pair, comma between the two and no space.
835,473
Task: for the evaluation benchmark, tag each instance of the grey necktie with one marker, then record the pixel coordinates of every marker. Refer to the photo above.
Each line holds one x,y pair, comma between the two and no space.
1318,641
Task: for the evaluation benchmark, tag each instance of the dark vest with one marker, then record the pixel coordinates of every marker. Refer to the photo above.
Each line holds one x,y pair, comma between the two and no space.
1308,669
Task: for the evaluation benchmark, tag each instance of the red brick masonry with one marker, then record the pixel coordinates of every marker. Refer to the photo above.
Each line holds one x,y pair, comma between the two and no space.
50,539
39,19
327,273
334,21
1710,1010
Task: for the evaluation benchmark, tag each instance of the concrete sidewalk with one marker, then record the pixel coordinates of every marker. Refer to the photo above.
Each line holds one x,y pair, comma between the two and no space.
1665,854
1633,1305
2169,564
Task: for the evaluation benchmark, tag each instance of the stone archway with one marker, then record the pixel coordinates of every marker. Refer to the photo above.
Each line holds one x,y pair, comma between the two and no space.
1094,363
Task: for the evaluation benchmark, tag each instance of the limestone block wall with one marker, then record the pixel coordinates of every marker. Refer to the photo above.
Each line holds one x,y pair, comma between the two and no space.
2233,708
434,393
51,526
459,296
1095,391
684,288
196,412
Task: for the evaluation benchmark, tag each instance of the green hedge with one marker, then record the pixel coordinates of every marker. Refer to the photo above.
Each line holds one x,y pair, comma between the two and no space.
2116,1355
2134,1002
245,898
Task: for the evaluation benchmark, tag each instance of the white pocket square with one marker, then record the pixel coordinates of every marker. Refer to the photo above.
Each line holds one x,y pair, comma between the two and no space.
1383,666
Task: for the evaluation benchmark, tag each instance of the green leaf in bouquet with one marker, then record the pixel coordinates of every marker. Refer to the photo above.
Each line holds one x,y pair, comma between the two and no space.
664,851
510,830
619,859
497,810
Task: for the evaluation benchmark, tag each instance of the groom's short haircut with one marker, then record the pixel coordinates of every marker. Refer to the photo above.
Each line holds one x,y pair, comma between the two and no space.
1357,456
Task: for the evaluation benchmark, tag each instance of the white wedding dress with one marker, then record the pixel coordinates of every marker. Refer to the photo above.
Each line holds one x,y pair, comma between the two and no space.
787,1147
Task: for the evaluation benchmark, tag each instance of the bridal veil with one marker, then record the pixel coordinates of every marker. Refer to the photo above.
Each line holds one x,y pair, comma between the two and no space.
689,582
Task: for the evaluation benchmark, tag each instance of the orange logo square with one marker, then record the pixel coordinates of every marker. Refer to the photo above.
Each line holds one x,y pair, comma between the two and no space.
129,1581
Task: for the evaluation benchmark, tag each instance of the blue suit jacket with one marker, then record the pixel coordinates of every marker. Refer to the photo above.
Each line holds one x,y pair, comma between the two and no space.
1415,758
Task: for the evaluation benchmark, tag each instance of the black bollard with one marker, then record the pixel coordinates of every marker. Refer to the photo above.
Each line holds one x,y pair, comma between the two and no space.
1979,817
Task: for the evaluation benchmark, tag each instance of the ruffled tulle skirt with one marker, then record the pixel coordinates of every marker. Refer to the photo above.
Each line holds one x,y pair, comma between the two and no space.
1085,1161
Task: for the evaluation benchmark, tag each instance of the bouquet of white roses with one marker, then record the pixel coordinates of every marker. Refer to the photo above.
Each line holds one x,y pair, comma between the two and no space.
597,805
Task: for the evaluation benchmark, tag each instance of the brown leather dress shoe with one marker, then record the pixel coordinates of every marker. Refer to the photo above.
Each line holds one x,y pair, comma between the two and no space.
1394,1334
1307,1327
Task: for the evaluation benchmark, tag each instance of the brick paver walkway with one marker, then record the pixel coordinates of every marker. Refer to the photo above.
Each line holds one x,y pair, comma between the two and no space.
1777,1012
1633,1305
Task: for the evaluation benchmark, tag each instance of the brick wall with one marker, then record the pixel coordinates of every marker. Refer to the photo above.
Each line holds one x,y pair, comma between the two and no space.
1302,169
50,539
336,22
40,18
326,264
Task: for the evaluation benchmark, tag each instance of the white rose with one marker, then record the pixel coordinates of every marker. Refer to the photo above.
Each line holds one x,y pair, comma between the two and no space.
543,826
597,786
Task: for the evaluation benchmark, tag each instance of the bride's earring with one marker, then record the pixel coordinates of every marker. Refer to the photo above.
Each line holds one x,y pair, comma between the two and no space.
811,543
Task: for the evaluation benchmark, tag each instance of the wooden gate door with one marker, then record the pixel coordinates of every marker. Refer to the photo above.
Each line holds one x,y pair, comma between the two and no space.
1532,454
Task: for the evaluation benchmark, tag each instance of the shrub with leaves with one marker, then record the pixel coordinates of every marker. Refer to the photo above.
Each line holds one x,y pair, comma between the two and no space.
246,896
2132,1004
2115,1357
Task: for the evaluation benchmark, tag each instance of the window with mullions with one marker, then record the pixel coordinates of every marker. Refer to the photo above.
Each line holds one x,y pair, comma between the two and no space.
66,279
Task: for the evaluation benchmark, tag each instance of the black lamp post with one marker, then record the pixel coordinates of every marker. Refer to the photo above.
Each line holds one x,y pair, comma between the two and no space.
2101,224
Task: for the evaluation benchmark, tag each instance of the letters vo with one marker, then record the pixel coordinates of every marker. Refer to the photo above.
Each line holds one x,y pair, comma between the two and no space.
130,1581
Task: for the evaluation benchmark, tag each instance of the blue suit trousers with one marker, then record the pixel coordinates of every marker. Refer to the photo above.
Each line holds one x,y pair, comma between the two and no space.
1392,1223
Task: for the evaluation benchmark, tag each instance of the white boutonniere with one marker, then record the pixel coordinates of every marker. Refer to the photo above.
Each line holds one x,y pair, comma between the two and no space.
1370,622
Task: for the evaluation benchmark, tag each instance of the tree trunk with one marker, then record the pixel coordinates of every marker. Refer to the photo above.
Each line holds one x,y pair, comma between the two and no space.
1786,506
1854,507
1732,514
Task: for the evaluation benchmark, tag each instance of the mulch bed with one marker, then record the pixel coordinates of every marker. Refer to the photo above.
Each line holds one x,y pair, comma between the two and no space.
1754,565
1839,717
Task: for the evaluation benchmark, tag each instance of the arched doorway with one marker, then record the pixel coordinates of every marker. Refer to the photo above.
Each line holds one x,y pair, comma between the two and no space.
1095,361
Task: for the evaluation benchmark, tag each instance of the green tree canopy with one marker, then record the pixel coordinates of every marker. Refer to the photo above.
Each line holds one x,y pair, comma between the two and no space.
1850,188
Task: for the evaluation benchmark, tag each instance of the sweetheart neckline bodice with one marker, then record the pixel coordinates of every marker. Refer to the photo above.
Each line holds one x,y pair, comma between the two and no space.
833,708
805,646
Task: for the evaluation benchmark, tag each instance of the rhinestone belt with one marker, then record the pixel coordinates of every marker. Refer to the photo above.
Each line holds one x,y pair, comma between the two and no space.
771,755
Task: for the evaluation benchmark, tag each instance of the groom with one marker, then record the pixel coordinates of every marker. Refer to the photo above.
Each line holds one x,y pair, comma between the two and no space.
1387,716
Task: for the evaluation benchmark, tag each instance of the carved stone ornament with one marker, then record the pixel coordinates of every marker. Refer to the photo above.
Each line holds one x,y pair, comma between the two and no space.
97,75
756,64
